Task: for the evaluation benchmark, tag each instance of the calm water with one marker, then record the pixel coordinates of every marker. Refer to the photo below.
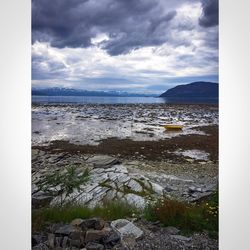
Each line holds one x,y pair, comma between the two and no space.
114,100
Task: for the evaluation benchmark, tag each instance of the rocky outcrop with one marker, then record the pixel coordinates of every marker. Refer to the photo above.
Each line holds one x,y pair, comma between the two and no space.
133,182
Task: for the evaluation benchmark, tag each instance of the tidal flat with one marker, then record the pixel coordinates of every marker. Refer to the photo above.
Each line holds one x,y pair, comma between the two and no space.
127,151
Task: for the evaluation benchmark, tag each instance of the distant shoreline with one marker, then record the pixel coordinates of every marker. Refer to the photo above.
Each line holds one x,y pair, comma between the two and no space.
119,100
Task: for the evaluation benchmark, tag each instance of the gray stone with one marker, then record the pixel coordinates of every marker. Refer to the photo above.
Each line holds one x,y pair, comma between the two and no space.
76,222
51,240
126,229
96,235
121,169
103,161
58,241
193,189
65,242
38,238
157,188
75,243
93,223
66,230
134,185
180,237
40,246
41,200
94,246
135,200
201,196
123,178
169,189
77,236
172,230
112,239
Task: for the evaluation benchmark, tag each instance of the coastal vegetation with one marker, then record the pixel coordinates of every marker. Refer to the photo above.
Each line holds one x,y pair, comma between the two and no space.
187,217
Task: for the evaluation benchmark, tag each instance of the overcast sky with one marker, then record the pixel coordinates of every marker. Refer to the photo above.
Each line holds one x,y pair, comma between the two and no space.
144,46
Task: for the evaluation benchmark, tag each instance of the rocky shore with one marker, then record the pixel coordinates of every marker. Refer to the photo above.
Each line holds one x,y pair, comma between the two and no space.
138,170
121,234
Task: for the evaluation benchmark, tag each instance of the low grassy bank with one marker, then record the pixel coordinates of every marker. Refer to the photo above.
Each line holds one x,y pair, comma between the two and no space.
188,218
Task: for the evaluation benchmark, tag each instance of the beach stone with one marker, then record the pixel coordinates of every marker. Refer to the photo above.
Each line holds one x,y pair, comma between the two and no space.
126,229
76,222
77,236
94,246
38,238
180,237
51,240
40,246
95,235
75,243
172,230
201,196
65,242
66,230
112,239
93,223
58,241
104,161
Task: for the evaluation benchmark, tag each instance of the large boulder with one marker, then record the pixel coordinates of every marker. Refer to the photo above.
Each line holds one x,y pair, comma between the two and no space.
96,235
126,229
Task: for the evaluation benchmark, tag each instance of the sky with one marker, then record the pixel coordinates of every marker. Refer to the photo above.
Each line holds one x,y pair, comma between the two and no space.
142,46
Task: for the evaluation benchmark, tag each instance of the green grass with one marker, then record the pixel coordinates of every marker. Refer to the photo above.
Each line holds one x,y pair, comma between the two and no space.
109,211
186,217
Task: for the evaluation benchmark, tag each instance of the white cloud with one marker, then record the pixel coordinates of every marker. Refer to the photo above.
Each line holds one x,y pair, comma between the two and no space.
187,53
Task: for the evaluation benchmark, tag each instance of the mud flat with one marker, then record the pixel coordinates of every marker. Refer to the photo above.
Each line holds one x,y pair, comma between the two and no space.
89,124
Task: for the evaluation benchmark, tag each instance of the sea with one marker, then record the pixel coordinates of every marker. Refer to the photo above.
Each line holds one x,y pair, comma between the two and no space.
117,100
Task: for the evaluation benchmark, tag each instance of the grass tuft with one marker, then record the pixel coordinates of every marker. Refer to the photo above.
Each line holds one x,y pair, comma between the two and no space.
187,217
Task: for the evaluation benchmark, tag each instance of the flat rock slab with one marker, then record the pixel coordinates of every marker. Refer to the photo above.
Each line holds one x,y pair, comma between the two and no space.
103,161
126,229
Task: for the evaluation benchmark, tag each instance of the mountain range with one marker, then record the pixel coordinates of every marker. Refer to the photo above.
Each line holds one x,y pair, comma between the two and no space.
79,92
193,90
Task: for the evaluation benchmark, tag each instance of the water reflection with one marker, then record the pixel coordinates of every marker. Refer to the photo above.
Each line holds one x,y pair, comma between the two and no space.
189,100
119,100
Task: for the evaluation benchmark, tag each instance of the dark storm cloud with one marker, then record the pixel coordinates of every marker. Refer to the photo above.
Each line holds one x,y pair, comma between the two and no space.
210,13
130,24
